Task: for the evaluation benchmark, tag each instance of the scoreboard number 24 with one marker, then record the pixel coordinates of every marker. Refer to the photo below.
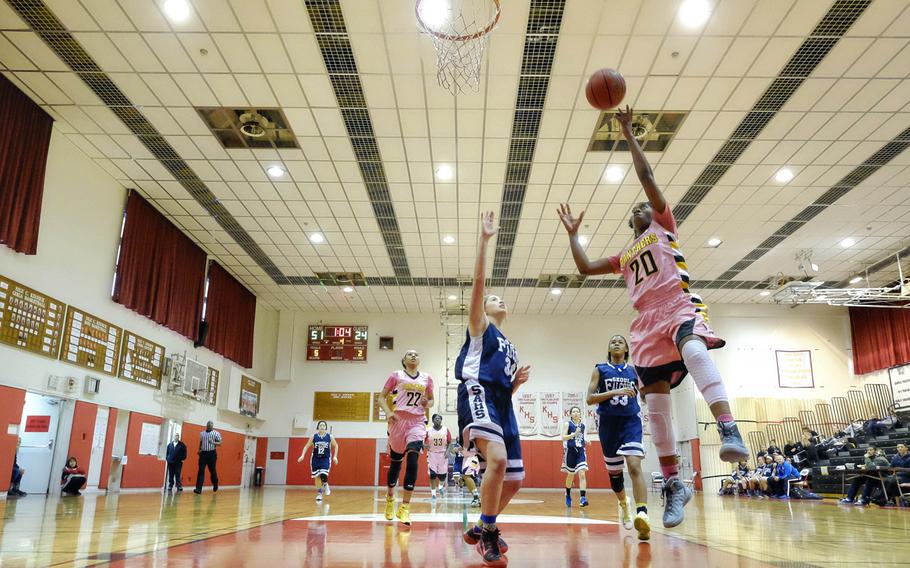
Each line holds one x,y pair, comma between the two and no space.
337,343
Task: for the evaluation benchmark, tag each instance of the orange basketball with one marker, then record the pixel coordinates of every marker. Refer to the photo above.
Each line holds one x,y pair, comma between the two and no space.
605,89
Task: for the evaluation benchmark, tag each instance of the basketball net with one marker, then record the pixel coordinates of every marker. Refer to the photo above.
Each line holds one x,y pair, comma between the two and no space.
460,30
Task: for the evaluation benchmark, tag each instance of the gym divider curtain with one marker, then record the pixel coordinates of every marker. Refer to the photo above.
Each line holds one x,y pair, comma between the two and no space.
880,337
230,313
23,156
161,272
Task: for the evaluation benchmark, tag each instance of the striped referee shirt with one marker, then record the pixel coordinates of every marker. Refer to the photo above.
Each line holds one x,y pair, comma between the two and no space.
207,440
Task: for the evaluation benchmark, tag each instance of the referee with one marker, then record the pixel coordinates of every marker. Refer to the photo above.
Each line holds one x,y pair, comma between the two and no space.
208,441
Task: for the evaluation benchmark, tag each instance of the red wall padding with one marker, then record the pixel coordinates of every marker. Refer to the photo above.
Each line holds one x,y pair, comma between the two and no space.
83,432
12,401
230,457
140,470
262,448
356,462
543,458
108,448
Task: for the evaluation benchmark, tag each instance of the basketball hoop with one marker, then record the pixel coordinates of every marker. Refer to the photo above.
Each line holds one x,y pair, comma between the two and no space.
460,32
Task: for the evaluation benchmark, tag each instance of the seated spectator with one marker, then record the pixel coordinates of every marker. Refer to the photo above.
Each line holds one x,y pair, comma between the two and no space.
811,436
900,460
734,484
873,460
763,474
784,473
773,448
73,478
16,479
790,449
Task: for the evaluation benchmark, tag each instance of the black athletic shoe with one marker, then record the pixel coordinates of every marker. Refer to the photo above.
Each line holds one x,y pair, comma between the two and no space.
215,488
179,488
197,491
472,537
488,548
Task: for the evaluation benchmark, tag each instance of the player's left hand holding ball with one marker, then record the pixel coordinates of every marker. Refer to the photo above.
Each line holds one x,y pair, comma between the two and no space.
521,377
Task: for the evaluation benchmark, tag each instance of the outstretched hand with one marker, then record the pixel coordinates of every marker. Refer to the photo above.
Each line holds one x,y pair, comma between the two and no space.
624,117
568,220
488,227
521,377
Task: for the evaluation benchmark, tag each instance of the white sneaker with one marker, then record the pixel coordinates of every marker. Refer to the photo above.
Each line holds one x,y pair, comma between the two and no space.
319,496
626,515
328,490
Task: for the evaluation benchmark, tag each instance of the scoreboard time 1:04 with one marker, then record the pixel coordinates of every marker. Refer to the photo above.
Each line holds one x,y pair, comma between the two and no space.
337,343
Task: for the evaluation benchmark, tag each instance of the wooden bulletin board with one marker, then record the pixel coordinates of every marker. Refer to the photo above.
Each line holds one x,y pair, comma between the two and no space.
30,320
250,393
90,342
378,414
212,394
141,360
342,406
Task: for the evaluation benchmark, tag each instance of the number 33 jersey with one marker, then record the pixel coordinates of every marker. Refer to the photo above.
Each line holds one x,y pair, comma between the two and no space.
615,377
410,391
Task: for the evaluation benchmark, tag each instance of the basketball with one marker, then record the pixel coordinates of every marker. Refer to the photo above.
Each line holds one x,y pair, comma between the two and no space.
605,89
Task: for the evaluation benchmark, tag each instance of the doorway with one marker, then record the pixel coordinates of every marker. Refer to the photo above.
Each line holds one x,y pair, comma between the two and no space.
99,437
38,435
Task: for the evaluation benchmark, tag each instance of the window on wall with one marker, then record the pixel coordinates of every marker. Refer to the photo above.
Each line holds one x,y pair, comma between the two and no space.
117,258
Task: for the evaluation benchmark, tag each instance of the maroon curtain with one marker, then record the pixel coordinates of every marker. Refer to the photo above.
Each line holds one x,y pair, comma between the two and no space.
230,312
881,338
25,134
161,272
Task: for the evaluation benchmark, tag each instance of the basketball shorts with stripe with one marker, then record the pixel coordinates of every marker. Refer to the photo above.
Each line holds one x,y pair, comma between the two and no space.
485,412
620,436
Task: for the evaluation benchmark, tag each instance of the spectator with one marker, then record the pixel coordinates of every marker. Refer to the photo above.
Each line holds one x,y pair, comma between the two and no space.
764,473
18,472
811,444
872,461
176,453
773,448
900,460
208,441
784,473
73,478
810,436
734,483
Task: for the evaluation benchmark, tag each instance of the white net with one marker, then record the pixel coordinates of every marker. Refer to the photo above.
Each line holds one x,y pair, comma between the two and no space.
460,30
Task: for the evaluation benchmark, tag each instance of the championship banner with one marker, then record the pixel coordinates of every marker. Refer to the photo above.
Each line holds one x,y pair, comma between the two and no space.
570,399
549,413
592,419
528,417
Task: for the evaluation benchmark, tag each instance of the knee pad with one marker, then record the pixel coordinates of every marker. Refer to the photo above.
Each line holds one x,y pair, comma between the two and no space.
704,372
324,477
394,468
662,434
410,472
617,482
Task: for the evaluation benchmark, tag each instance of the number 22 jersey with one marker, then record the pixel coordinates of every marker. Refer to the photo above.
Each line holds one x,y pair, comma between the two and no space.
615,377
410,391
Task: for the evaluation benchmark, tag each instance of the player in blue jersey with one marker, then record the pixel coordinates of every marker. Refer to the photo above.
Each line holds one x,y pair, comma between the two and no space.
488,372
325,453
614,389
574,460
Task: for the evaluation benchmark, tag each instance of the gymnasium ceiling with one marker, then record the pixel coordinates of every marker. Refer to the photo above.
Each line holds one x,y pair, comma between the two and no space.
762,90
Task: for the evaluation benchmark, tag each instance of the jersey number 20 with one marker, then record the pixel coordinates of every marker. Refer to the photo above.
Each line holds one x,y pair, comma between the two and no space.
647,265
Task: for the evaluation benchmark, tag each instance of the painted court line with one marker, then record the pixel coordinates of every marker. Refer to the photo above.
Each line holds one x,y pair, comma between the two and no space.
458,518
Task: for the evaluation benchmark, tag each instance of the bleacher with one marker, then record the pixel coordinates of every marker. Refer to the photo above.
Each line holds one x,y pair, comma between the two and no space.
828,475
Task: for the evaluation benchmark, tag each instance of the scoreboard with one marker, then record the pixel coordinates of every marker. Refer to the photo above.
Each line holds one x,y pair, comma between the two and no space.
337,343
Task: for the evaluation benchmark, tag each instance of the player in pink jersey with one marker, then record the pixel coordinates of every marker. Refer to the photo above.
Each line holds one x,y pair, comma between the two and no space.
438,443
670,336
413,392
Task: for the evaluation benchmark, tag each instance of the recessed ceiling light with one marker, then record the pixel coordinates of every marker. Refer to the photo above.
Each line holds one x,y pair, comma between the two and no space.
714,242
177,10
764,293
347,289
445,172
694,13
317,238
583,240
452,297
856,279
848,242
433,13
555,291
275,171
614,174
448,239
783,175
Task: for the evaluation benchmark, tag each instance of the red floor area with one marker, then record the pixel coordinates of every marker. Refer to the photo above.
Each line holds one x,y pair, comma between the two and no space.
351,543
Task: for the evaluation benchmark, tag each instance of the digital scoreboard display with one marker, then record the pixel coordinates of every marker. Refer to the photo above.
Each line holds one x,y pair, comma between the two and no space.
337,343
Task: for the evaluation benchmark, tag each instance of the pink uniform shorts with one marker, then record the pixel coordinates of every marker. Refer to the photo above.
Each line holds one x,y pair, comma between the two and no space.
407,429
439,463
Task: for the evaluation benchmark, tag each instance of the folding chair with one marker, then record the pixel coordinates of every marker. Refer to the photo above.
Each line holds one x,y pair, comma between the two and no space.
657,482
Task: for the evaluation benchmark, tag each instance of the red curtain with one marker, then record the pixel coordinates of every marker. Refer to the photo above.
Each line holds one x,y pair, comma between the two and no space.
880,337
24,140
230,313
161,272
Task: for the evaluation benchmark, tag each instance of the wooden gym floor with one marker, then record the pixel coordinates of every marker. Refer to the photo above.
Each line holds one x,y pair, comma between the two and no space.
277,527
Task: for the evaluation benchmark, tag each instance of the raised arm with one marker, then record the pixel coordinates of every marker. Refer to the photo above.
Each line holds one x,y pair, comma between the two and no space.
477,319
642,167
585,266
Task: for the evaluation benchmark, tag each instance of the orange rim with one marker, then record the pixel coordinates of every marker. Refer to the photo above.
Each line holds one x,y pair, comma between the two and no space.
447,37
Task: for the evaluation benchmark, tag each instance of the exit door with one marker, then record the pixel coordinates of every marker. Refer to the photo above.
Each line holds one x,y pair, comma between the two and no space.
38,435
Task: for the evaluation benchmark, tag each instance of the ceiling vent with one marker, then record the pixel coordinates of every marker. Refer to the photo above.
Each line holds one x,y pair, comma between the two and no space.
249,127
341,278
654,130
560,281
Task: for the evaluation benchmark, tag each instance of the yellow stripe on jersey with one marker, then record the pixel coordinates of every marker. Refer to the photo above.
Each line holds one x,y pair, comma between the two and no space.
682,269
